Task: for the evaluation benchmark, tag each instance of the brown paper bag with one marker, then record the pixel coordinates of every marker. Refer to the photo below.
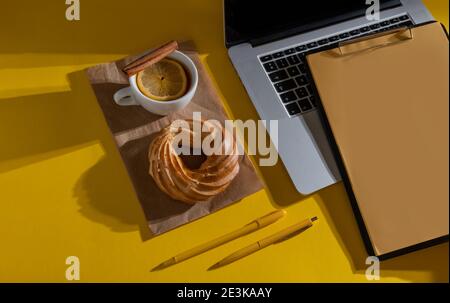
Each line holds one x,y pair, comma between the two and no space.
134,128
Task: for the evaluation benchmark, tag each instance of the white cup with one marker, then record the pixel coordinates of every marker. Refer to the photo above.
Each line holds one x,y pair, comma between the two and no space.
131,95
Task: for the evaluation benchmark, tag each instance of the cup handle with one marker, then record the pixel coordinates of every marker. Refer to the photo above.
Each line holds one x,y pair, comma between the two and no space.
123,97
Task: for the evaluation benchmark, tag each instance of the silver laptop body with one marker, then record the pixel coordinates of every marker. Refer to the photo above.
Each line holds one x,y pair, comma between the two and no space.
302,144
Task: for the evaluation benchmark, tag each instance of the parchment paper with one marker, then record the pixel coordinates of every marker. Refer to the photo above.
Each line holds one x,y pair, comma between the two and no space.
133,129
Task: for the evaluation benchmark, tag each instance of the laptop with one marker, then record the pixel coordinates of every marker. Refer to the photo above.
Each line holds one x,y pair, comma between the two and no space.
267,42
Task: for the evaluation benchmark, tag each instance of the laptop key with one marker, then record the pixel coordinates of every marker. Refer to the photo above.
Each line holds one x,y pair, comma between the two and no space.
385,23
266,58
304,105
312,99
270,67
407,24
278,55
293,71
301,92
333,39
278,76
300,48
293,109
323,42
355,32
293,60
301,57
395,20
365,29
285,85
282,63
302,68
288,97
375,26
301,80
312,45
344,35
289,51
404,17
310,89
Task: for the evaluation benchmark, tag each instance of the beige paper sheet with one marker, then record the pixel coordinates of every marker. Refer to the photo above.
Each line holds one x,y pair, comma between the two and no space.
388,110
133,129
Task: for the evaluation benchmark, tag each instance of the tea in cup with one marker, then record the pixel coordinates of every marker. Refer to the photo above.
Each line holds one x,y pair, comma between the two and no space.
162,88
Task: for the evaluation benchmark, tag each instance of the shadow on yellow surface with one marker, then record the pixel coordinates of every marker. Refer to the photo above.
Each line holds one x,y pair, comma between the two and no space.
336,207
104,197
58,123
41,124
104,192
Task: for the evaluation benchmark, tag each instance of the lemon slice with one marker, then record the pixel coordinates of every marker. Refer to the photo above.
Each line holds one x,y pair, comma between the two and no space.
163,81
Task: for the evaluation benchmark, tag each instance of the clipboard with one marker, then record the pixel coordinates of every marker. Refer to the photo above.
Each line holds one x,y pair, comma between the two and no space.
385,104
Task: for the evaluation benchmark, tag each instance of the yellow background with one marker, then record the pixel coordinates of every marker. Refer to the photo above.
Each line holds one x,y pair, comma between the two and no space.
64,190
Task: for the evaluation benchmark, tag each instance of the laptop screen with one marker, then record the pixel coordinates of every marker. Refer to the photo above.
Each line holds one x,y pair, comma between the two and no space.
251,19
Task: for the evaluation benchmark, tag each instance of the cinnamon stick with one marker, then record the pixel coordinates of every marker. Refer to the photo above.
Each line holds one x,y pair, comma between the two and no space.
151,58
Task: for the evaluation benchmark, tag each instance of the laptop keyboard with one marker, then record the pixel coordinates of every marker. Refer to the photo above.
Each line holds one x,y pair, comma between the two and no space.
286,69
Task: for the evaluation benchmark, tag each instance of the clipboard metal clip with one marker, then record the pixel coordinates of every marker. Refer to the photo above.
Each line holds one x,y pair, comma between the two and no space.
375,41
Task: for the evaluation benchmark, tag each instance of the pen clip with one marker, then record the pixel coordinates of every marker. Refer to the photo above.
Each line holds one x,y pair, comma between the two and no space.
297,232
269,218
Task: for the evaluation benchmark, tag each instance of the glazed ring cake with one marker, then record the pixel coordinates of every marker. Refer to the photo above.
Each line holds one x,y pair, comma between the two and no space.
190,186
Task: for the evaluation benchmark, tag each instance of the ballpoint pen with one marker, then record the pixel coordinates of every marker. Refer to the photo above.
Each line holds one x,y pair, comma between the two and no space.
275,238
245,230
